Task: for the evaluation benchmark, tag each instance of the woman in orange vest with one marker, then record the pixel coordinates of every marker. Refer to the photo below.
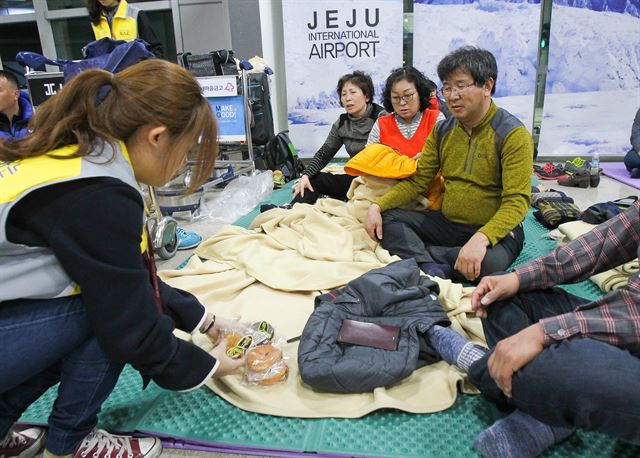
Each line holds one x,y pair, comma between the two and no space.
118,20
406,96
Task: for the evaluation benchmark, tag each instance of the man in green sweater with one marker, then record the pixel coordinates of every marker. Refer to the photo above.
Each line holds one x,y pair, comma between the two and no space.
486,156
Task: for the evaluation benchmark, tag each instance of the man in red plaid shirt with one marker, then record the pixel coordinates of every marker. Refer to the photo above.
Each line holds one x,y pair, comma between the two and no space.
560,362
566,361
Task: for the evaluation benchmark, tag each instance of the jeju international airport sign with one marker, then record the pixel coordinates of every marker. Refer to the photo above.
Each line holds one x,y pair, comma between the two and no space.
325,40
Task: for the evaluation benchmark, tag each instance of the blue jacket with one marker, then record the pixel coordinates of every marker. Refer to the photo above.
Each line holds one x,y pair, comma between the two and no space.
18,127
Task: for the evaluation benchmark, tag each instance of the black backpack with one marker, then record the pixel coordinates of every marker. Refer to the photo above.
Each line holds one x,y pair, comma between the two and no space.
260,102
280,154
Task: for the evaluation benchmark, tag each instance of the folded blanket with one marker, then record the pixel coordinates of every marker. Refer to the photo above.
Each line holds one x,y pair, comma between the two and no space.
629,268
610,279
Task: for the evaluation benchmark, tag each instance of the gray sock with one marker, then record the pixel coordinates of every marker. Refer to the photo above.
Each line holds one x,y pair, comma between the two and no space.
518,436
454,348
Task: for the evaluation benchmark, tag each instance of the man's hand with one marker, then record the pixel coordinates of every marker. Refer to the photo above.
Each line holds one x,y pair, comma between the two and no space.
514,352
227,365
491,289
373,222
303,184
471,255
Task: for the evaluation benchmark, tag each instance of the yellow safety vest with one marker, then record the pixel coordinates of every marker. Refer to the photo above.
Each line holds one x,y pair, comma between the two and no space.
123,27
34,272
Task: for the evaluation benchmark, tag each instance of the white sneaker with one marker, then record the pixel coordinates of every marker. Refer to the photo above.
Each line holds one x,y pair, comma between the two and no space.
101,444
22,441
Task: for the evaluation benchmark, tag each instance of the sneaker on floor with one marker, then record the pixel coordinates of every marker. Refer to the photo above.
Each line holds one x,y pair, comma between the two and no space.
635,173
549,171
187,240
578,162
576,181
267,207
23,442
101,444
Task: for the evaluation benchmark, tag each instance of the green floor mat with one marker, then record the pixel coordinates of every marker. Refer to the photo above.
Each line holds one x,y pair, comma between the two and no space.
201,417
279,197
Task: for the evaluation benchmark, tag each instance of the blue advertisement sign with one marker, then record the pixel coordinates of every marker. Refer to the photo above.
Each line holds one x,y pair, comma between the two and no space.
229,112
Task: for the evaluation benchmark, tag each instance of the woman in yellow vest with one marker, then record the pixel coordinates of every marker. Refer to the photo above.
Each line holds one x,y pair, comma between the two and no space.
118,20
78,295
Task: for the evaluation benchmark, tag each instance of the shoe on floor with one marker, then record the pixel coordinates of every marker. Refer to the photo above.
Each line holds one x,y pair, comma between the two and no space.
549,171
186,239
576,181
267,207
23,442
101,444
577,165
635,173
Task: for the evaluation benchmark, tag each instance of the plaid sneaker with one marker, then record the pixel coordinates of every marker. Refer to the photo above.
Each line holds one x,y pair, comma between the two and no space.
101,444
22,441
187,240
549,171
552,214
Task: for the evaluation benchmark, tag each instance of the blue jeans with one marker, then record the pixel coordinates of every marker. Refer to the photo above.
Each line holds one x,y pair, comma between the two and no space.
632,160
576,383
43,342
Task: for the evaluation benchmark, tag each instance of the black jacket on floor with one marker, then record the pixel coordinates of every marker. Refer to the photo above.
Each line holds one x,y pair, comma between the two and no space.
393,295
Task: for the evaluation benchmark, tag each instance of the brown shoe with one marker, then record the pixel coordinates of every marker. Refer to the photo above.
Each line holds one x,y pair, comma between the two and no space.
577,181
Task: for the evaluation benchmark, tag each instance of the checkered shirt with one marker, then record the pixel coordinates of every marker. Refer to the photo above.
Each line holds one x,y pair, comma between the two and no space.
615,317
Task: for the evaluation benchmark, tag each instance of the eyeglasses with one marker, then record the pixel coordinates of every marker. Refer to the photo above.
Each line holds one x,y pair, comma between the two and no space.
447,91
406,98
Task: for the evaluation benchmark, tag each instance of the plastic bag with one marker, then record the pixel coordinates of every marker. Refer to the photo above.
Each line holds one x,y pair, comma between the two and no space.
265,365
237,199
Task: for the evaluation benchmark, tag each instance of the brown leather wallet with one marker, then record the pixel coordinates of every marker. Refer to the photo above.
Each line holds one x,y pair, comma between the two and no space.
369,334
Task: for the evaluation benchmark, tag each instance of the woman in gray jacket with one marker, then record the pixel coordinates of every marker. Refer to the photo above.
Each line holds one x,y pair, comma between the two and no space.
351,130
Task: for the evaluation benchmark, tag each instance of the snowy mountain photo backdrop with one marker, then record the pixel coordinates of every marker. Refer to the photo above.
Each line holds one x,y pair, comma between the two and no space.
593,80
325,40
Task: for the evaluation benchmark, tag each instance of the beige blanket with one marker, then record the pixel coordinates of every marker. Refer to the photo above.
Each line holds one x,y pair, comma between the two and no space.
274,270
608,280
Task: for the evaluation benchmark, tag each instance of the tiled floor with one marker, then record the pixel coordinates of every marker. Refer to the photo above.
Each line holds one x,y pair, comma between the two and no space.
608,189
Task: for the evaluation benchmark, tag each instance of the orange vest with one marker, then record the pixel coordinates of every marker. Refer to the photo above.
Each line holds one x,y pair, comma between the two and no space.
391,136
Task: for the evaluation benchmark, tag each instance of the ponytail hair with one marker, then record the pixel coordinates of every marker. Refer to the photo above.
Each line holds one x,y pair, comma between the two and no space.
99,106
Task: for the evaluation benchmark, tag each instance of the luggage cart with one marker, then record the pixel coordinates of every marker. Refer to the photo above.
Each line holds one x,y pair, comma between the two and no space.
228,98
